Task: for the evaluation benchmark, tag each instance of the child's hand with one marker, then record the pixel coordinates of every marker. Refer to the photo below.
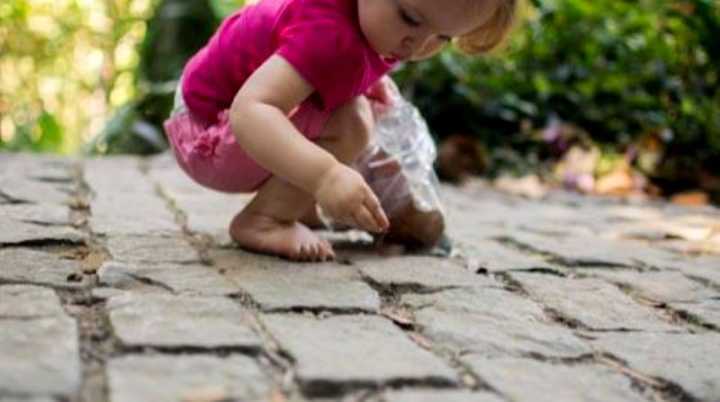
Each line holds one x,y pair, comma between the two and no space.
344,195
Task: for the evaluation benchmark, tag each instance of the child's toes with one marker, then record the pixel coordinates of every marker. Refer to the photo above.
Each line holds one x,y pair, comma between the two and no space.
328,253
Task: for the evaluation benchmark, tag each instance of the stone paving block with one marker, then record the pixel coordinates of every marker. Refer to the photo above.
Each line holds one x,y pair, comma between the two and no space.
177,321
26,301
689,360
533,381
278,284
463,332
40,167
151,249
116,175
191,279
430,272
111,214
40,214
186,378
594,302
359,349
493,303
589,250
708,310
207,212
434,395
28,399
493,256
38,344
124,200
38,267
663,286
20,189
706,268
23,232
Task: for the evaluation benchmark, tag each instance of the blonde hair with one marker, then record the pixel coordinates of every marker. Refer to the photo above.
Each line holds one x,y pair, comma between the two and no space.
494,32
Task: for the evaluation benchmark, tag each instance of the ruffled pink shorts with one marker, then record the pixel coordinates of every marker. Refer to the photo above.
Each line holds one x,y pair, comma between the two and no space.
211,156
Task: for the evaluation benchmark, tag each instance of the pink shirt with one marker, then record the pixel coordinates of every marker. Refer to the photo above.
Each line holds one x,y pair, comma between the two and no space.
321,39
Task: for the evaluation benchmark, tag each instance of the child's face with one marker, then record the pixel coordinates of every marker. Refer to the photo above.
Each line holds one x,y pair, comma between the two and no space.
406,29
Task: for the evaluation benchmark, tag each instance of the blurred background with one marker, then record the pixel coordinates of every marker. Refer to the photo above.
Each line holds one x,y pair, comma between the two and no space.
610,97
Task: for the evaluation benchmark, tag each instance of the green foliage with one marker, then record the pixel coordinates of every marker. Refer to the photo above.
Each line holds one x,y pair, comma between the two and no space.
619,69
42,135
63,65
178,29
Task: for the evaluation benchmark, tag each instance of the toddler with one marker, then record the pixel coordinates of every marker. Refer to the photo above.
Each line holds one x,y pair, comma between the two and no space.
276,103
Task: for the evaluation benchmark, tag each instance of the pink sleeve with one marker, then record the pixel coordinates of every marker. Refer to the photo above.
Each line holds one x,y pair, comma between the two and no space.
326,52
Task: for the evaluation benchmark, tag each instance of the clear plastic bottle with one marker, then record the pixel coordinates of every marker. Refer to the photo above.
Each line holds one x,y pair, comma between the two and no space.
398,167
403,135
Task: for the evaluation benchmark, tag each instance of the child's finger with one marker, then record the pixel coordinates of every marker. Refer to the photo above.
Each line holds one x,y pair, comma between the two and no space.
365,220
373,205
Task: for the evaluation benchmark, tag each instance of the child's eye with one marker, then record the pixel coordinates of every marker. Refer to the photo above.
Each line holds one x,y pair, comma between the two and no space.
407,19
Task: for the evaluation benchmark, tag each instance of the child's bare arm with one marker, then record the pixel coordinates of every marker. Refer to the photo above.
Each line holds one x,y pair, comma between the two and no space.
259,120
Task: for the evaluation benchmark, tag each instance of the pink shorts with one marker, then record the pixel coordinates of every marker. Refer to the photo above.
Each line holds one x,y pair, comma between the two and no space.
212,157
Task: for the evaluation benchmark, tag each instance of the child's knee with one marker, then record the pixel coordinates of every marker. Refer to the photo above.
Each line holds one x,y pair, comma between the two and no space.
356,121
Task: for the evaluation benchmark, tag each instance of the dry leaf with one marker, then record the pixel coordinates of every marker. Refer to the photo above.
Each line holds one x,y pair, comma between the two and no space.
691,198
420,340
399,315
528,186
212,393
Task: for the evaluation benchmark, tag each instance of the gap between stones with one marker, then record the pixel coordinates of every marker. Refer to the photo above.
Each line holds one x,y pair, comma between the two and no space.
280,358
673,315
390,296
667,390
96,340
557,259
278,362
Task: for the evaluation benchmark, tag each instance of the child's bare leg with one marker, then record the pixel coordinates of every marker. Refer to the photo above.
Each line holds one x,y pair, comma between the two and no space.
269,223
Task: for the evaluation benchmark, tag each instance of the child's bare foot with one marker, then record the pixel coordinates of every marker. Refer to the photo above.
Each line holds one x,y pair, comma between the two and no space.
291,240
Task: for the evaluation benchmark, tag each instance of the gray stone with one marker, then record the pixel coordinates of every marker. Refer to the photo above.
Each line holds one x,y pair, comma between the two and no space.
19,189
186,378
151,249
23,232
125,200
207,212
24,301
494,303
707,311
277,284
584,250
180,278
40,167
689,360
360,349
463,332
28,399
40,214
493,256
132,214
434,395
176,321
38,344
593,302
422,271
706,268
663,286
37,267
116,174
533,381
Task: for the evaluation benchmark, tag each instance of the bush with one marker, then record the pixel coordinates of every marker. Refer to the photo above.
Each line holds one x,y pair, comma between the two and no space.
622,70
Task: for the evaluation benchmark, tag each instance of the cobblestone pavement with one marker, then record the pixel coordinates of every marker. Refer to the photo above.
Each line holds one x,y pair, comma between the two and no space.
118,283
